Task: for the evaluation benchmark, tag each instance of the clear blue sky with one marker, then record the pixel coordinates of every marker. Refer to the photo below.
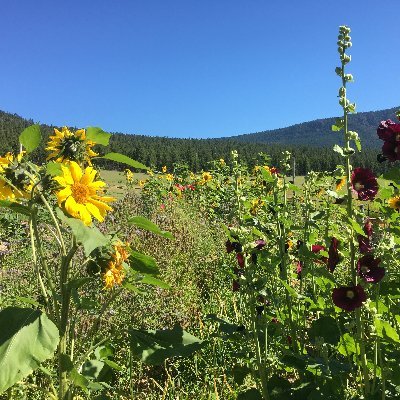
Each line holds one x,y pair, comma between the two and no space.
193,68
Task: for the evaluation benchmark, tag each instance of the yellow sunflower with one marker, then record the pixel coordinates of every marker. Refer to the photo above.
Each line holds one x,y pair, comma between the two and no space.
340,183
128,175
70,146
169,177
394,202
13,187
164,169
206,177
115,274
79,193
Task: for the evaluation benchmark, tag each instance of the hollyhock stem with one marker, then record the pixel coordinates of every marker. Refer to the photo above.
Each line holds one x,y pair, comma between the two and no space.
350,213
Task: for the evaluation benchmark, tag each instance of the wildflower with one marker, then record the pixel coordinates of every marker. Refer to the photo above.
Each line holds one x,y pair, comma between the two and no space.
394,202
340,183
128,175
256,204
299,268
333,252
169,177
190,187
391,150
4,248
260,243
14,183
349,298
240,259
142,183
222,161
288,245
113,276
115,273
206,177
164,169
316,248
79,193
70,146
368,269
364,242
364,183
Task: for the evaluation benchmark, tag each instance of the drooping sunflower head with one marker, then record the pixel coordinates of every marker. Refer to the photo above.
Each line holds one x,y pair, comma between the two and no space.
66,145
340,183
80,194
16,177
114,273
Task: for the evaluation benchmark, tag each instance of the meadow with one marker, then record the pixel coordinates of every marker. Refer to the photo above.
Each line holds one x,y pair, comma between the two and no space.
233,283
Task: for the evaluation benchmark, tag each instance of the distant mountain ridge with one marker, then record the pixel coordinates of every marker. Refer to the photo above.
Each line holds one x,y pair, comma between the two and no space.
318,133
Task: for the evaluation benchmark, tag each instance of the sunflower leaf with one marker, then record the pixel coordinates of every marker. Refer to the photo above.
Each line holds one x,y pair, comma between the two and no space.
30,138
97,135
144,223
121,158
90,237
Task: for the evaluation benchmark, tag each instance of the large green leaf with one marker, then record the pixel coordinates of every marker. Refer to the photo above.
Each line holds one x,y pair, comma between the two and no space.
325,327
141,263
27,338
151,280
154,347
53,168
144,223
90,237
30,138
121,158
97,135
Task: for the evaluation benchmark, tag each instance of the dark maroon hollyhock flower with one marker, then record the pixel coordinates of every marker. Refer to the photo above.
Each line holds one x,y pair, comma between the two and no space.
334,258
364,183
260,243
368,227
240,259
349,297
368,269
235,285
316,248
391,150
275,320
364,244
389,131
229,246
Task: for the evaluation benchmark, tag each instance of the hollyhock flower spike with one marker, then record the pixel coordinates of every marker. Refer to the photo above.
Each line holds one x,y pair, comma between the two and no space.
333,252
349,298
364,183
391,150
368,269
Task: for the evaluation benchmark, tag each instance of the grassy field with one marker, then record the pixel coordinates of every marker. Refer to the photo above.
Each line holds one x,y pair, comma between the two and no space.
117,183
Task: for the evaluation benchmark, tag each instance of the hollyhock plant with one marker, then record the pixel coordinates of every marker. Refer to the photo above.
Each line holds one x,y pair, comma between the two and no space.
349,298
368,269
316,248
333,252
260,243
240,259
364,183
391,150
364,244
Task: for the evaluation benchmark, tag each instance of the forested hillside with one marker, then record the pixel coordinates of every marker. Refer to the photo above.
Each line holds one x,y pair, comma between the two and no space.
197,153
316,133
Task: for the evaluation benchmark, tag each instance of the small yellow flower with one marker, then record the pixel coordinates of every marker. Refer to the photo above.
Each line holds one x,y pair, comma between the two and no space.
164,169
150,172
256,169
206,177
128,175
70,146
340,183
394,202
222,161
142,183
169,177
256,204
79,193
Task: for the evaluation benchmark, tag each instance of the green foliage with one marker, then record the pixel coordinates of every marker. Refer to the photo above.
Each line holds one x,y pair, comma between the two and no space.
30,138
27,338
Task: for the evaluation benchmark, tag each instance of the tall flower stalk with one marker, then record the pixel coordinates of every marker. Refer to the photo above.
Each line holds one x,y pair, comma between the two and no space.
344,42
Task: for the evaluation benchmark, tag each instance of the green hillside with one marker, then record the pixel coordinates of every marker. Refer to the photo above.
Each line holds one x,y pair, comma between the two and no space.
300,139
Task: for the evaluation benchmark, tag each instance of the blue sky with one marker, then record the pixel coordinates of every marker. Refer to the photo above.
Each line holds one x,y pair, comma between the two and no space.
191,68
